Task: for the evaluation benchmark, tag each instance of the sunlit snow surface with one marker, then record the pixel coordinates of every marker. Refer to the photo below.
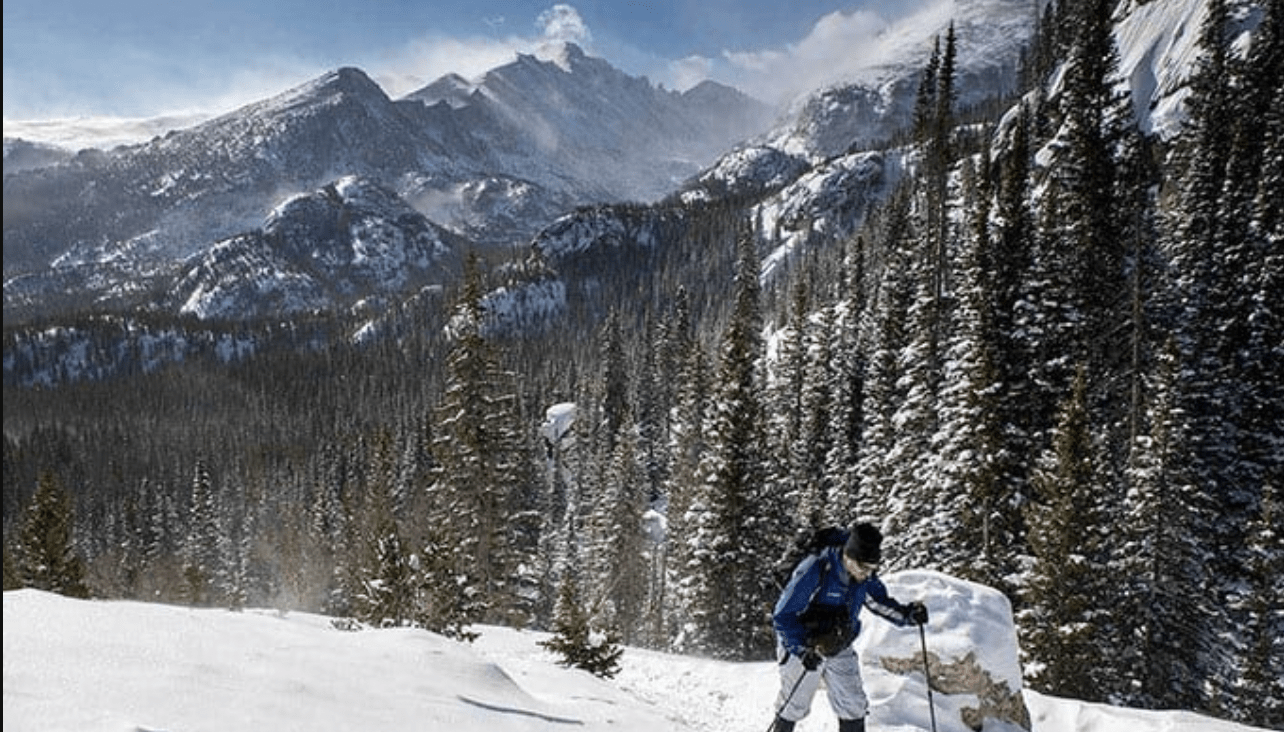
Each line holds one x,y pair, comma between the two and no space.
112,666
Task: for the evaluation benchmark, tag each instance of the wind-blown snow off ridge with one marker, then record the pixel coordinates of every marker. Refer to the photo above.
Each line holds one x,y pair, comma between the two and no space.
117,666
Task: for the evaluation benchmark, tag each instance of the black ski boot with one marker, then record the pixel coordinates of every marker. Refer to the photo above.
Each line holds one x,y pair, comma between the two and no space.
851,725
782,725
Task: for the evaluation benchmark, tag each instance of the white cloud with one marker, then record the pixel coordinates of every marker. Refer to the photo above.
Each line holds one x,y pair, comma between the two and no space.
563,23
841,46
838,44
77,133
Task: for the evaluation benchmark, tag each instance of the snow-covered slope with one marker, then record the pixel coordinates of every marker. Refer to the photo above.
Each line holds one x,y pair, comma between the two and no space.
110,666
877,96
1158,44
350,242
828,203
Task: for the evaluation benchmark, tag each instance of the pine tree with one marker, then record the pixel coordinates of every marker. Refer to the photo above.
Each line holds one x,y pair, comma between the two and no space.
12,581
45,555
387,597
1262,361
234,548
925,101
560,503
483,472
386,577
1044,45
445,603
736,519
1064,592
1084,178
785,393
688,444
1044,332
202,562
939,158
1230,409
817,438
1161,564
914,481
622,554
1011,268
889,311
974,502
1263,663
575,638
327,553
650,412
163,579
614,491
1265,81
651,464
843,461
615,408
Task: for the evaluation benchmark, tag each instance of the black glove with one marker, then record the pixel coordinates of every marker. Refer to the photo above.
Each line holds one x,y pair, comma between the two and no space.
811,659
916,612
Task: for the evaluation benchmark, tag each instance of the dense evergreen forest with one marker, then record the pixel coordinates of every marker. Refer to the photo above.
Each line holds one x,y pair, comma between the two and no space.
1049,362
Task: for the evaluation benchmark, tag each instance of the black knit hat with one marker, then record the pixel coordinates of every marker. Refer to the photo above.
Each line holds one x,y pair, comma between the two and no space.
865,544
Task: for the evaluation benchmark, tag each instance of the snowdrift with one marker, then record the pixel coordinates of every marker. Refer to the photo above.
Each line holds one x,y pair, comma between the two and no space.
114,666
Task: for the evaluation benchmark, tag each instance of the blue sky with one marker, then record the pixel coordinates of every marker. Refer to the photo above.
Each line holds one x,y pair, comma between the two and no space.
137,58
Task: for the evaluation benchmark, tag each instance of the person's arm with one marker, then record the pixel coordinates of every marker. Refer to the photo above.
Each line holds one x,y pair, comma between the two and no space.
884,605
793,601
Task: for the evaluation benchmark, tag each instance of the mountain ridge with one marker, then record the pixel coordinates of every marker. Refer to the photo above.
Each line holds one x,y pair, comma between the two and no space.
157,203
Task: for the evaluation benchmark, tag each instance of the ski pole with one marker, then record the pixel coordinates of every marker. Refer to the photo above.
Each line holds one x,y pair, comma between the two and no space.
788,698
927,674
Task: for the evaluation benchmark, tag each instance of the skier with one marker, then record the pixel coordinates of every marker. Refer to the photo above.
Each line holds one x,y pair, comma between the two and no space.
816,619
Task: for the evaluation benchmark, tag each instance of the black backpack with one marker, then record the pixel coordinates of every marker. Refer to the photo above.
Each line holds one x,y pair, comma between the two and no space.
808,542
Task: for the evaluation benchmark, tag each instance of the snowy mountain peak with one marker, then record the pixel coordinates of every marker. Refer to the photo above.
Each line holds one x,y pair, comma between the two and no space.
452,89
562,114
351,80
333,87
347,79
566,55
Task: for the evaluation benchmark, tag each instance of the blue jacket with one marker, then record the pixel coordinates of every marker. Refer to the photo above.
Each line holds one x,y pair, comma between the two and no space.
837,591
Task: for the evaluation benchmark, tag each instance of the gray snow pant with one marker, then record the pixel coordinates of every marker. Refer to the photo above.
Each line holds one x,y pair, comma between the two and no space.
841,674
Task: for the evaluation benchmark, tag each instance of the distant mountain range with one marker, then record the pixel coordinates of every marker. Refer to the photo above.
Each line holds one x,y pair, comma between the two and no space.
494,160
332,196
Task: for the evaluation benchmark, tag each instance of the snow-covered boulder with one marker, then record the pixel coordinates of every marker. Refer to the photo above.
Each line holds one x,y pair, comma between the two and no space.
972,656
557,421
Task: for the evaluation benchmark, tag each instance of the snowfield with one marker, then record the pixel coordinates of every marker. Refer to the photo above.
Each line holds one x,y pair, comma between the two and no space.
116,666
